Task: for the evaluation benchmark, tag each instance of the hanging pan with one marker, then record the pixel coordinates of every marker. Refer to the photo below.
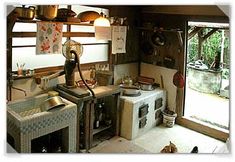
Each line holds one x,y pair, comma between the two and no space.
158,39
147,48
178,80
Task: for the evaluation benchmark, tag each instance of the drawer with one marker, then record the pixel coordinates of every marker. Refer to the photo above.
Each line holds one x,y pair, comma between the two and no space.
143,110
158,103
142,122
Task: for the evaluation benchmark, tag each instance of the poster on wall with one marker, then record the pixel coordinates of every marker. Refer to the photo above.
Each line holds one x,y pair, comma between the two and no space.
102,33
119,39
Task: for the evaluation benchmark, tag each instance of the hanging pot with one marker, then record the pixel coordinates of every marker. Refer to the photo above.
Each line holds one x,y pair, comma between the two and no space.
178,80
158,39
147,48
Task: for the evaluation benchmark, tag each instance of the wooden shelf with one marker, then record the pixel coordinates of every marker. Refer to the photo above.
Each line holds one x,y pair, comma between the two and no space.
160,30
65,23
16,77
65,34
101,128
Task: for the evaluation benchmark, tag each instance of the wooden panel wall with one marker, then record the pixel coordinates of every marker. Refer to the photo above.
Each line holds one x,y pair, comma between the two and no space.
132,43
204,10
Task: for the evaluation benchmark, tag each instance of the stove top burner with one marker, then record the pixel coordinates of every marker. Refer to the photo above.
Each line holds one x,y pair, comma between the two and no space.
132,95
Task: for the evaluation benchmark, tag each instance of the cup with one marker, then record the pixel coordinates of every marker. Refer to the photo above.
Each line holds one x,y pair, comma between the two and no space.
20,72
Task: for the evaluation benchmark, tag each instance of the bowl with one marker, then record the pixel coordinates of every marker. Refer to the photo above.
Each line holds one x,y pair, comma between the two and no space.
51,103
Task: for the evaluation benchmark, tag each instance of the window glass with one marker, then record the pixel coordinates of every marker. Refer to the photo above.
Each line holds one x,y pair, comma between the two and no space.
94,50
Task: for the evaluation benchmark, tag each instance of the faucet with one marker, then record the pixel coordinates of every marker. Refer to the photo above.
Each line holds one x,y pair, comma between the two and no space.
44,81
22,90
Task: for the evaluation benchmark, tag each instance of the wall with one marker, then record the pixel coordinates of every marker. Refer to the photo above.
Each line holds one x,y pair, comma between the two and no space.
132,40
125,70
167,74
32,88
205,10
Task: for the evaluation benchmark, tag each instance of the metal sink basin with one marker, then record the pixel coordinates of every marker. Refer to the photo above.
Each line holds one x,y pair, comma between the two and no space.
26,121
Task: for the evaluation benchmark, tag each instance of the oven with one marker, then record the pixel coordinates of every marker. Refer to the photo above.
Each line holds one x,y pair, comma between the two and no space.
141,113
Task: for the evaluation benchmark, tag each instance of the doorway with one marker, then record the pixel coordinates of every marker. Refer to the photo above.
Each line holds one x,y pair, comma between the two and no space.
207,77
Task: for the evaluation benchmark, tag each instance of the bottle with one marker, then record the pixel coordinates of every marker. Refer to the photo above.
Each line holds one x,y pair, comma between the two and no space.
97,116
100,110
92,73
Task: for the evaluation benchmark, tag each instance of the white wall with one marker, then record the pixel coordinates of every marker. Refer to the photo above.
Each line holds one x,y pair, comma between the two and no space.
121,70
32,88
125,70
155,72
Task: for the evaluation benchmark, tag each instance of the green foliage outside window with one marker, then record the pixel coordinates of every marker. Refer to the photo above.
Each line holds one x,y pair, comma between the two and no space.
209,48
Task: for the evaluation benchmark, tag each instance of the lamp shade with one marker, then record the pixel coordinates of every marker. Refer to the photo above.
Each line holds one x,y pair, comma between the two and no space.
102,21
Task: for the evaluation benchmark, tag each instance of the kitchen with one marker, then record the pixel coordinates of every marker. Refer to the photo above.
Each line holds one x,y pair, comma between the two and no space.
152,55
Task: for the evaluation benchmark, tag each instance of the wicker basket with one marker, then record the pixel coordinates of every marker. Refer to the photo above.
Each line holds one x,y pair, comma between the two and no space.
104,78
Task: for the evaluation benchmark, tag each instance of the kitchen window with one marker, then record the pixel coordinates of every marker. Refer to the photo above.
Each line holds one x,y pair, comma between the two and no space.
24,48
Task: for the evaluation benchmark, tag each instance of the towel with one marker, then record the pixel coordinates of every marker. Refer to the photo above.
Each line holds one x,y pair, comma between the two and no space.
119,39
49,37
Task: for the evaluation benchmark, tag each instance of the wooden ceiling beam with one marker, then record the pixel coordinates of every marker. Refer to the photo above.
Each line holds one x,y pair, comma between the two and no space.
193,32
209,34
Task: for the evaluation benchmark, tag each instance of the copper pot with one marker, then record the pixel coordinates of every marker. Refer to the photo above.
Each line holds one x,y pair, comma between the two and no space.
25,13
46,12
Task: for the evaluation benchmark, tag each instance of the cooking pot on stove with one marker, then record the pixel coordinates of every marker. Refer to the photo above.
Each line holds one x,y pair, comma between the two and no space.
130,90
46,12
146,86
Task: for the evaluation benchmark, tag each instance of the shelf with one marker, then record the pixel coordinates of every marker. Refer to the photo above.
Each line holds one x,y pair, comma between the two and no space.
16,77
65,23
102,136
160,30
65,34
100,129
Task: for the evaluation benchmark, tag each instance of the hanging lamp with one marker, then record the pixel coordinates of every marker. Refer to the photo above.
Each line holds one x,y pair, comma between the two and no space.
102,21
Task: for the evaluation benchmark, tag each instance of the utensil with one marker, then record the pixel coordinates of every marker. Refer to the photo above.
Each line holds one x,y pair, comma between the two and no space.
46,12
146,79
64,13
25,13
158,39
88,16
51,103
178,80
146,86
130,90
147,48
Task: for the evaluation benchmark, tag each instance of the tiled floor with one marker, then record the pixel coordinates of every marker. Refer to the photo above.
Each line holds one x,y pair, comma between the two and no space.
154,140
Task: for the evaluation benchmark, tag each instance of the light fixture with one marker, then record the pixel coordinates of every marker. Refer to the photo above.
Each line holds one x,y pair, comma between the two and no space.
102,21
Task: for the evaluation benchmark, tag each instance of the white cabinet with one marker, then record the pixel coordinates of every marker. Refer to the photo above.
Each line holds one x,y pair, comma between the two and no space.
140,114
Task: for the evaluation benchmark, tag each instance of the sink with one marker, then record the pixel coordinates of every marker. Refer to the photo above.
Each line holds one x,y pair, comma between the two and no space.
26,121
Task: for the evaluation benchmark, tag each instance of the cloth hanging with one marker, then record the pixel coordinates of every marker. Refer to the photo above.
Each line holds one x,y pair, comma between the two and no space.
49,37
119,39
